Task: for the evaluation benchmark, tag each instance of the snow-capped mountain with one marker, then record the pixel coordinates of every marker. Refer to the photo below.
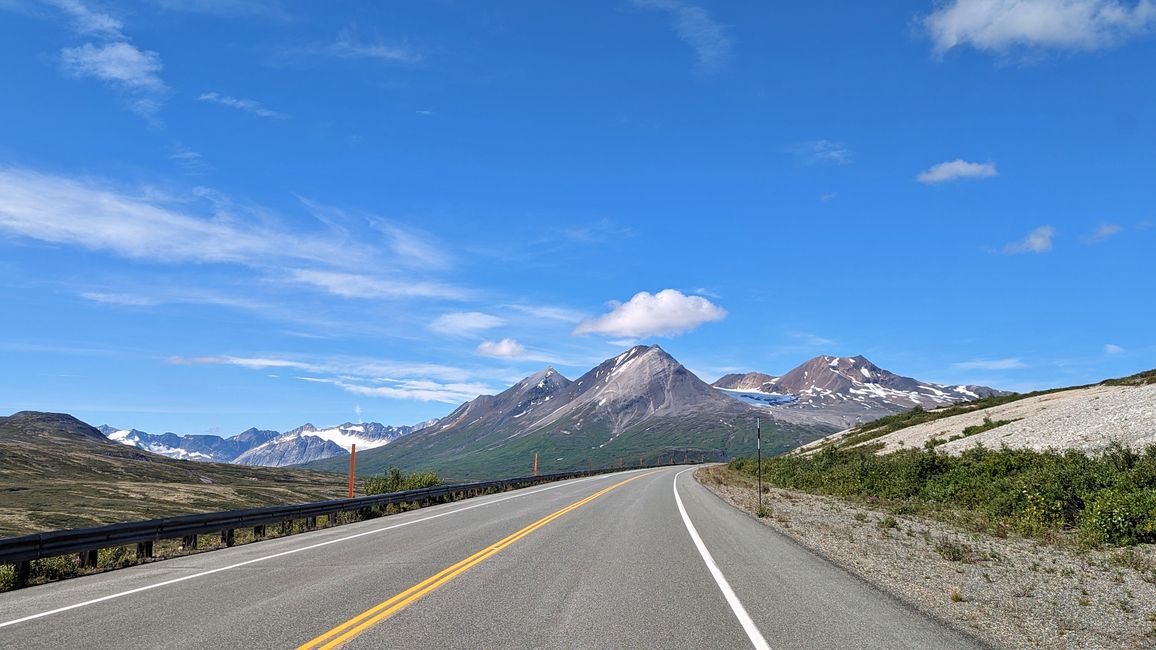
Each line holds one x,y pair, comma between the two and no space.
263,447
842,391
641,403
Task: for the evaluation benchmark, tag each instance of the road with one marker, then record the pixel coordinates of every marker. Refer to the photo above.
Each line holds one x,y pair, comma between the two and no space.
602,562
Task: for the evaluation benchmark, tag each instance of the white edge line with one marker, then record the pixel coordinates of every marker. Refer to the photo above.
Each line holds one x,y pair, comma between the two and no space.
290,552
740,612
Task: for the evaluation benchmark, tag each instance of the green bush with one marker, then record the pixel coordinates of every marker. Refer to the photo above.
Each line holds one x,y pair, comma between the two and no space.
1110,498
394,480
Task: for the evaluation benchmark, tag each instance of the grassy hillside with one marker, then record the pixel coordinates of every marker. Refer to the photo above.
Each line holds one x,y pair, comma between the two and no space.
57,472
464,454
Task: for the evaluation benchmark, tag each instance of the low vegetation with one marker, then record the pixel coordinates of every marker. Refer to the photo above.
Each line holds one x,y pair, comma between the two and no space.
394,480
1106,499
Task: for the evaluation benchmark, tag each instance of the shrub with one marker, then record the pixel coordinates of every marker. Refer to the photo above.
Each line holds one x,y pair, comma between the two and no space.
394,480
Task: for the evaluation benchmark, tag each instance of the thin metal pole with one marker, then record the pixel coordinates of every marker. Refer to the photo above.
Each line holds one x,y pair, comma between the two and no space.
352,467
759,437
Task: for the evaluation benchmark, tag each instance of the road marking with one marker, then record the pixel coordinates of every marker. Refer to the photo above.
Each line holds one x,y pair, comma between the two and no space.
378,613
289,552
749,626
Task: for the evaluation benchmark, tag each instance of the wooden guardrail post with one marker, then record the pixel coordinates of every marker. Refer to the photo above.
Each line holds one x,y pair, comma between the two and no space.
310,523
259,531
23,572
189,543
144,549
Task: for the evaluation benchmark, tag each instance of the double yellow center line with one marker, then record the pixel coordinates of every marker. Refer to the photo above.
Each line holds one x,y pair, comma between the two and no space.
370,617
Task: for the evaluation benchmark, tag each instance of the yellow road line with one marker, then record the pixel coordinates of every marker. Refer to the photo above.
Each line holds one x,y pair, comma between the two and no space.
370,617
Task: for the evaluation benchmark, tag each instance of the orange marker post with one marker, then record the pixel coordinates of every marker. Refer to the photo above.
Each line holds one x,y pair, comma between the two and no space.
535,463
352,467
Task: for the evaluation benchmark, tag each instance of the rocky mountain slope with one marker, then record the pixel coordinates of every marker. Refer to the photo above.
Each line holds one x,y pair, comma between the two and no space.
842,391
641,403
58,472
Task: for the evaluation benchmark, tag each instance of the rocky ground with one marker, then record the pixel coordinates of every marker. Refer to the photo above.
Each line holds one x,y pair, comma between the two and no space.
1012,593
1087,419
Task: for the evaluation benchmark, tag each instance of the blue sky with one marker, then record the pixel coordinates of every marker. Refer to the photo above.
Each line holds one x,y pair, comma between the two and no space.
217,214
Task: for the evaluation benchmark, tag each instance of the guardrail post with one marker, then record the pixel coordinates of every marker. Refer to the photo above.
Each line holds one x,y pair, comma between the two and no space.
286,527
310,523
189,543
144,549
228,537
23,572
259,531
88,559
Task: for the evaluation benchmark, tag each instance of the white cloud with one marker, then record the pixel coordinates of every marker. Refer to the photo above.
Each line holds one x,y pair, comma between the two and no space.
252,363
1037,241
356,285
503,349
822,152
1103,232
89,22
666,313
192,162
548,312
955,170
119,299
119,63
348,46
1003,25
828,197
1010,363
341,367
418,389
1110,348
810,339
465,323
247,105
147,226
696,28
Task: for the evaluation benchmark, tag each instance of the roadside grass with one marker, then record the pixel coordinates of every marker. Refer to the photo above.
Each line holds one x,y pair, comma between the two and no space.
68,566
1106,499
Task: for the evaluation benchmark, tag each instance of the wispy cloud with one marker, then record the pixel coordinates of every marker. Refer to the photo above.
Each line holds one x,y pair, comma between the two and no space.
1037,241
956,170
695,27
666,313
247,105
1110,348
417,389
548,312
191,162
122,65
1102,232
1000,26
359,285
822,152
157,228
465,323
811,339
349,46
504,349
226,7
88,22
119,299
1011,363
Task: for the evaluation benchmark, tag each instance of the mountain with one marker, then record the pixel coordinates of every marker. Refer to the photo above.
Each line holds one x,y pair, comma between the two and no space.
842,391
58,472
261,447
639,403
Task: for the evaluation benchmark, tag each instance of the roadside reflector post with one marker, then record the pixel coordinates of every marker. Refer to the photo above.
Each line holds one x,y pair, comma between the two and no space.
535,463
759,444
352,467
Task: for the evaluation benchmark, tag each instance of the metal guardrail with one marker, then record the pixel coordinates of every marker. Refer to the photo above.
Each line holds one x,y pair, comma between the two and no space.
88,541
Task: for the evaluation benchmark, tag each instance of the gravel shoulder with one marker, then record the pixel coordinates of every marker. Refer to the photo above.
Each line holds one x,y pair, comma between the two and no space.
1009,592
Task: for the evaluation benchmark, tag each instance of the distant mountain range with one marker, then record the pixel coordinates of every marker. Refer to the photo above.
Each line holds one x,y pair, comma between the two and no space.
262,447
842,392
638,406
632,407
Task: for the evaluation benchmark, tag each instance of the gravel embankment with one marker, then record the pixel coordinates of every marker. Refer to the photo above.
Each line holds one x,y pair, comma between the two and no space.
1082,418
1012,593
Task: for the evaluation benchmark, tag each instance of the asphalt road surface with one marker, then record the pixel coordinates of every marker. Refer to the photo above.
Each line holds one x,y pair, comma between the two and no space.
642,559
